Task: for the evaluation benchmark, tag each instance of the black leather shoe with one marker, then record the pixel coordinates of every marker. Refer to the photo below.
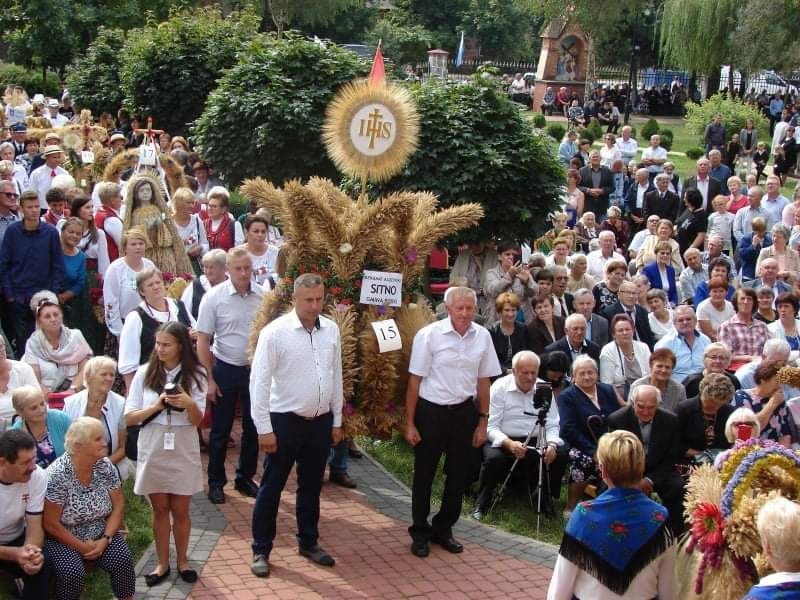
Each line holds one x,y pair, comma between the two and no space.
216,495
188,575
449,544
420,548
152,579
246,487
342,479
318,555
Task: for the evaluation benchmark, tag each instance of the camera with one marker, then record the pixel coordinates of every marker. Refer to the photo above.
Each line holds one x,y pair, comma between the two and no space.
543,395
171,389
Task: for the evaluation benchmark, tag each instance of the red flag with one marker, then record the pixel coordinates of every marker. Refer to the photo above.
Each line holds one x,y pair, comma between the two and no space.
377,75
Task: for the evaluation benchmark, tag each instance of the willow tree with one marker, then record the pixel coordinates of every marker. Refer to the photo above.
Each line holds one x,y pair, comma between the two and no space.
770,29
697,35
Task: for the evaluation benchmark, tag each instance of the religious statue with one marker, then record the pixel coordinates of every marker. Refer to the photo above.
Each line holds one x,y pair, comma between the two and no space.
146,208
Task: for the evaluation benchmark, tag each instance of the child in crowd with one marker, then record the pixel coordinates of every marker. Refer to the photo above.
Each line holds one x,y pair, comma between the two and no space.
760,159
720,223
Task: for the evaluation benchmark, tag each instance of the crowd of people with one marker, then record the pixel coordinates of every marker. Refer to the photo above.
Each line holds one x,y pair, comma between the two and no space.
654,306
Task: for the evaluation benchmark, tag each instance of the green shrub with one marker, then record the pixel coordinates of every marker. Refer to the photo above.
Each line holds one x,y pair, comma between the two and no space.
734,116
649,129
30,79
93,79
539,121
666,138
695,153
596,130
271,107
169,68
474,146
556,131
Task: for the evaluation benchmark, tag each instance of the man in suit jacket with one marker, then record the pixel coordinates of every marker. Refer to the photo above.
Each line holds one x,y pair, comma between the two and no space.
563,301
768,277
627,305
661,201
657,428
596,325
634,200
704,183
597,183
574,342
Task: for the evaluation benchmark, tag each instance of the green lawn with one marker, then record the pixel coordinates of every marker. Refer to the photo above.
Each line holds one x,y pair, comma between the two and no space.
514,513
138,521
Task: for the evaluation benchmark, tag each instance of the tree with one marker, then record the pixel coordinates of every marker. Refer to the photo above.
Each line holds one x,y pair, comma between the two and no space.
765,37
303,12
696,34
505,29
265,116
475,146
168,69
348,26
93,79
403,44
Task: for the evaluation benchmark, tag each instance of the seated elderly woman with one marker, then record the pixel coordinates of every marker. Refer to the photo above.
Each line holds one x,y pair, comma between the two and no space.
83,510
56,353
13,374
778,525
766,400
661,273
578,277
618,545
662,361
647,253
716,359
660,316
702,420
623,360
582,409
108,407
47,427
742,425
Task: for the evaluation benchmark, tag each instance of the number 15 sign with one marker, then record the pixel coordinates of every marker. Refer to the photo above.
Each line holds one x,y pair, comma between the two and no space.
388,335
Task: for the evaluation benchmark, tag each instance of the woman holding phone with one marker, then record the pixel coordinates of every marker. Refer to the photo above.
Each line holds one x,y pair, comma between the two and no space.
767,402
167,398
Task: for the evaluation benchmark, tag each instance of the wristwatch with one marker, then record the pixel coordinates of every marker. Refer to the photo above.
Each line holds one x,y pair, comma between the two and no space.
483,415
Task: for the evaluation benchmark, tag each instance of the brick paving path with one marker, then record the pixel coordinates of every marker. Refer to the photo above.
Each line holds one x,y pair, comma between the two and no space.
365,530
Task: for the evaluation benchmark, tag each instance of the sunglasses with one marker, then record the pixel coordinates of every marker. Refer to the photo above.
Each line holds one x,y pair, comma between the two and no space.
10,195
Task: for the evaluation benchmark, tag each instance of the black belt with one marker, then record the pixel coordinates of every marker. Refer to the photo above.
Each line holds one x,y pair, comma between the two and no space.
294,414
470,400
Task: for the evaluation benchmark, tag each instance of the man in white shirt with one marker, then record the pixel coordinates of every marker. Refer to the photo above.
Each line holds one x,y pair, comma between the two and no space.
451,363
654,156
743,221
42,178
513,409
56,119
296,386
774,202
226,315
22,490
597,259
627,145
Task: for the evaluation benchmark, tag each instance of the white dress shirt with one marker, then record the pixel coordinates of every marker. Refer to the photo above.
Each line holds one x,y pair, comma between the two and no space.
628,148
507,408
296,370
40,181
657,153
596,263
451,364
228,316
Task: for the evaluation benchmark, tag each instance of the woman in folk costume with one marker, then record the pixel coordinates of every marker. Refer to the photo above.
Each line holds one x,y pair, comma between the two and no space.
617,545
145,208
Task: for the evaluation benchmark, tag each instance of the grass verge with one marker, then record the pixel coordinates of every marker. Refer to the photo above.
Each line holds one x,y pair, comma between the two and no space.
514,514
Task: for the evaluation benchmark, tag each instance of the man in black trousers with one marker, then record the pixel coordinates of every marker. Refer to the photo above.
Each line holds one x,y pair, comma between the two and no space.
447,410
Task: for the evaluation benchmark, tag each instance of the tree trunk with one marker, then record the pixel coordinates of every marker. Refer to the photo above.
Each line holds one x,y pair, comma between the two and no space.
712,82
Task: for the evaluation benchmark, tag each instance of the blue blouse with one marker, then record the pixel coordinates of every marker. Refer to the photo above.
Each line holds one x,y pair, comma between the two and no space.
779,421
75,272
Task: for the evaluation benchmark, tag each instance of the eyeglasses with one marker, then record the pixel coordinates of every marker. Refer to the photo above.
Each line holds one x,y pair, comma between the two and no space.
10,195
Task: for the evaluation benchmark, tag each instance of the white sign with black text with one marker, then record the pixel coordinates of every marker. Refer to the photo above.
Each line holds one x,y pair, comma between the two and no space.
388,335
381,289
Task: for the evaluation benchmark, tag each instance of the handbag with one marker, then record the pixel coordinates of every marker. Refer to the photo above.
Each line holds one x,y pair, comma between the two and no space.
132,437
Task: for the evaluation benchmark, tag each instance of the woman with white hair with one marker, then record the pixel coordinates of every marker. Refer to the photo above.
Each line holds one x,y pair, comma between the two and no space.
98,401
19,173
778,525
83,512
788,259
13,374
189,226
46,426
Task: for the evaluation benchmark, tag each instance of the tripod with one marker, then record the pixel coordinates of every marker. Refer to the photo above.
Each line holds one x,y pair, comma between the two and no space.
545,394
